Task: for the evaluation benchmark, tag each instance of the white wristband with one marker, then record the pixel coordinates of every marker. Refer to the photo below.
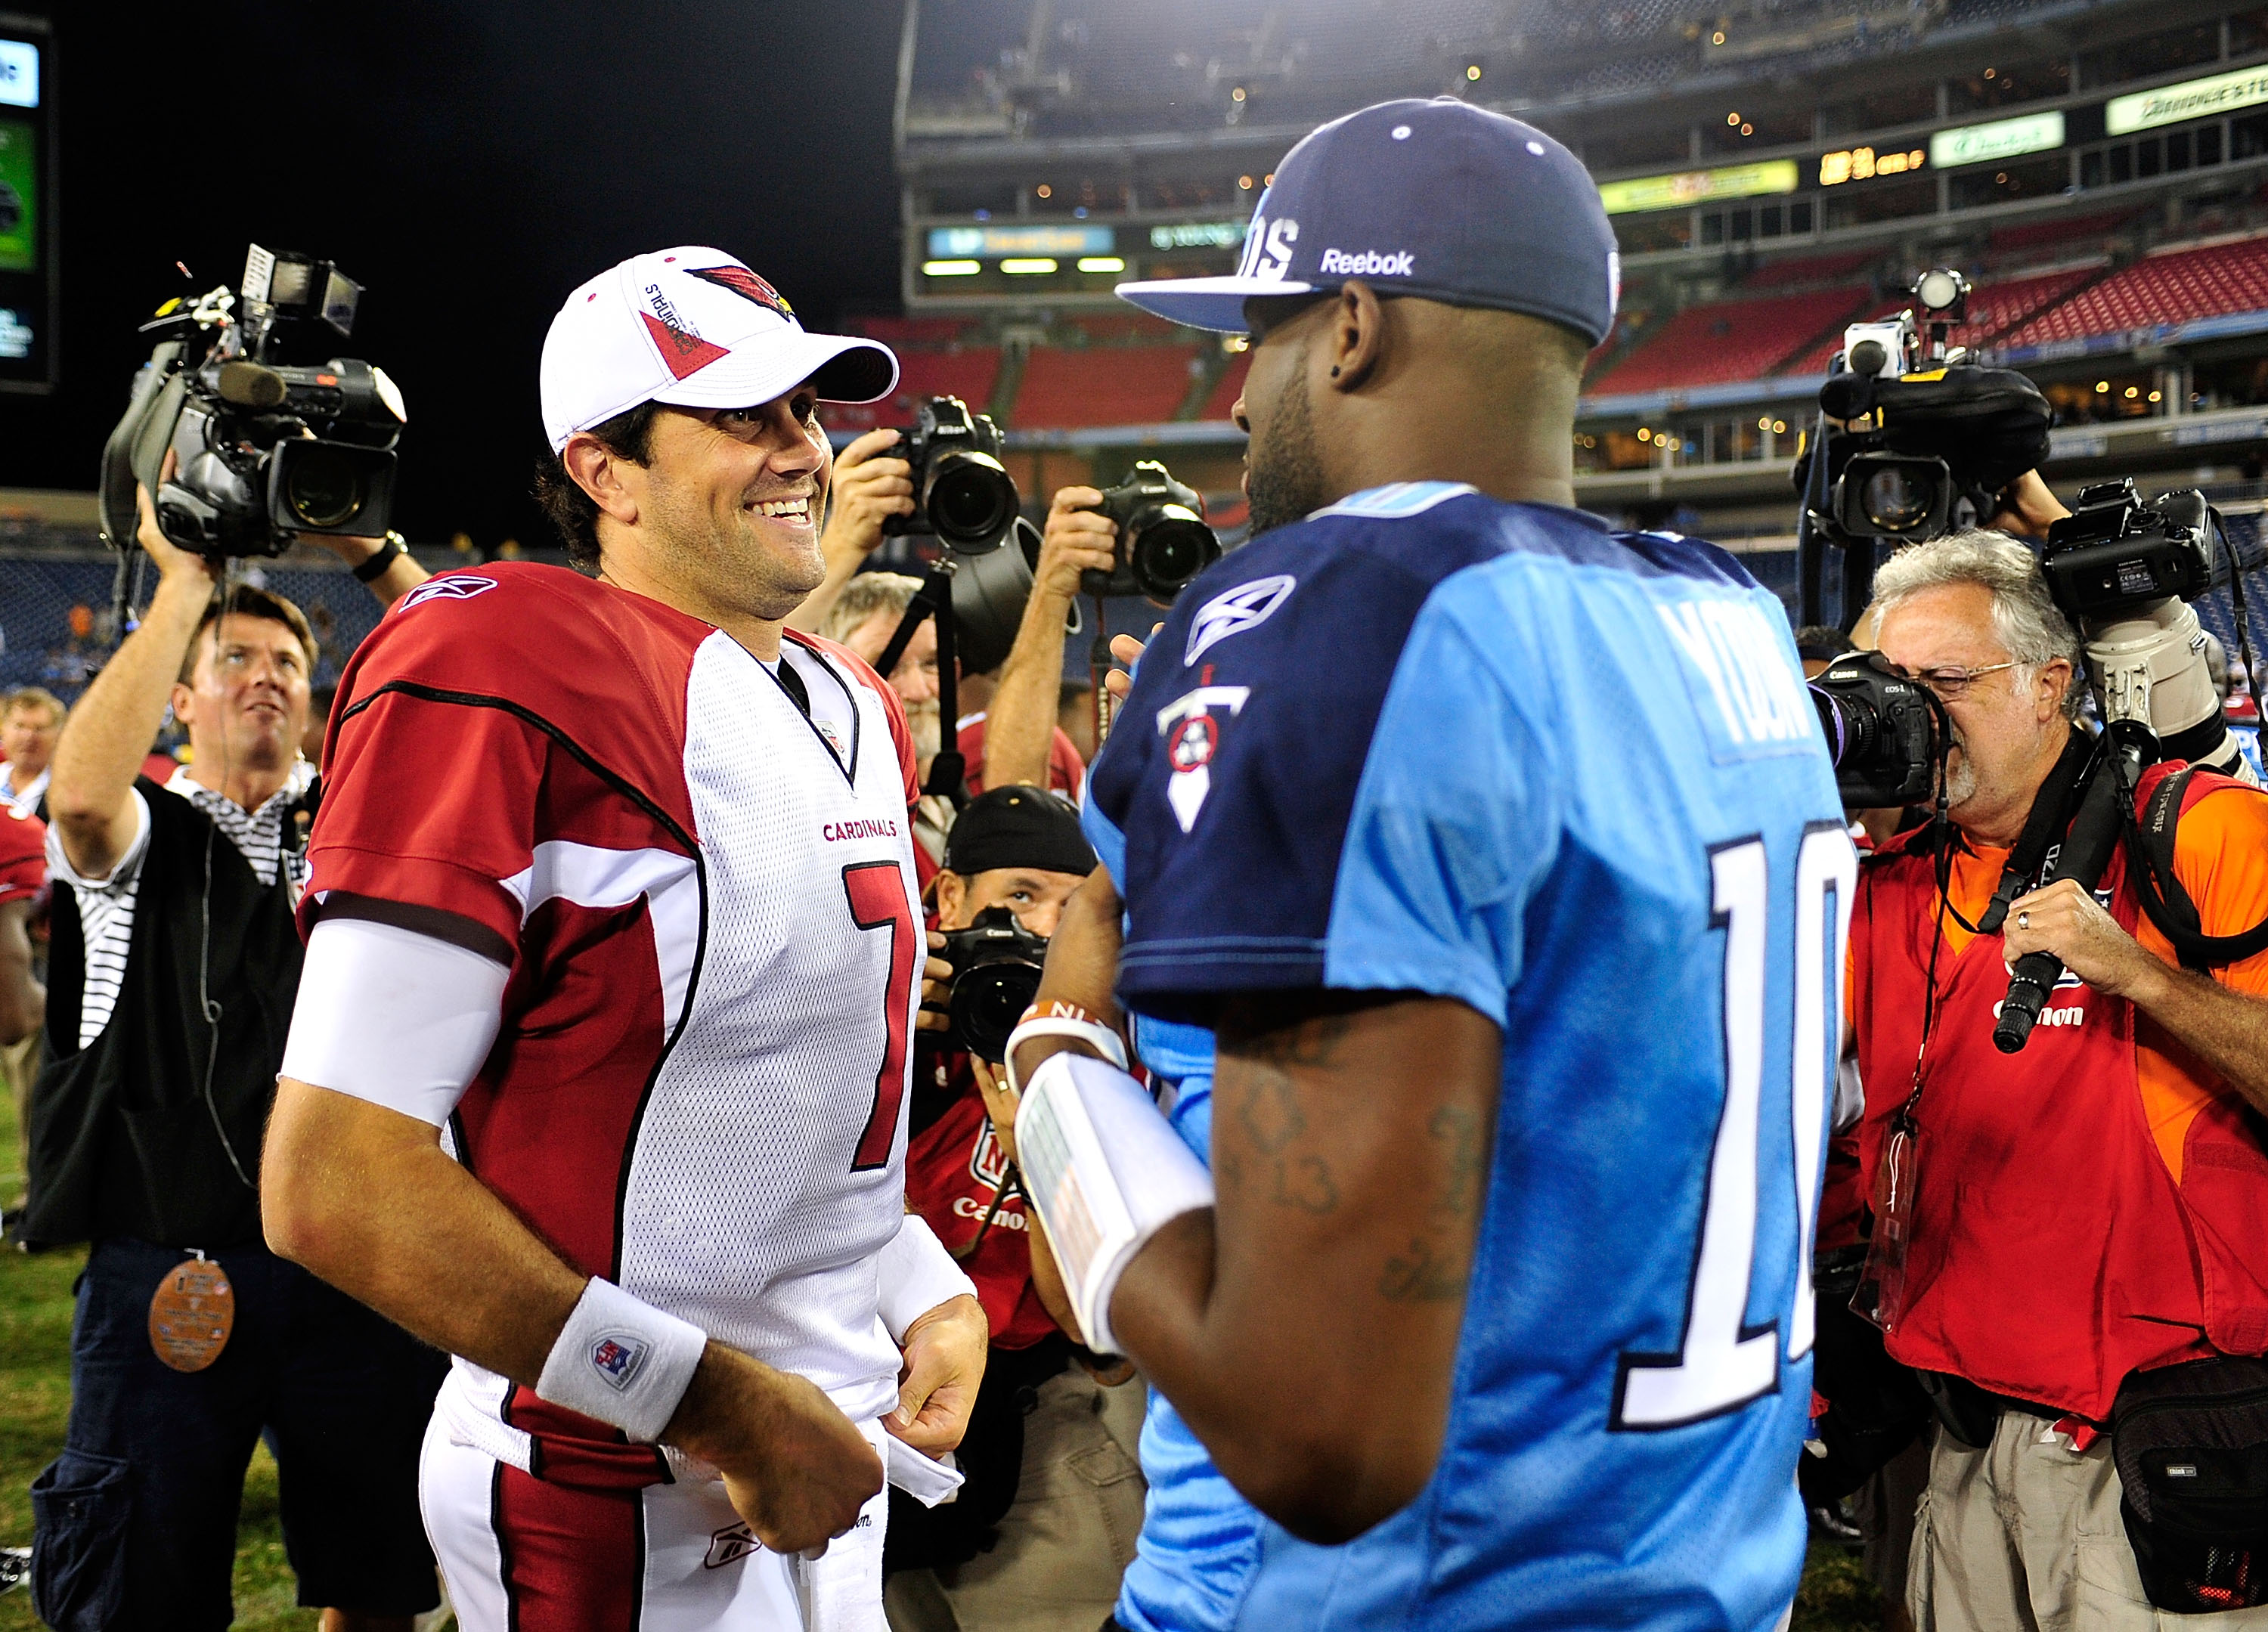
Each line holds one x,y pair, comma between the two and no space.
623,1361
1107,1172
1113,1047
916,1274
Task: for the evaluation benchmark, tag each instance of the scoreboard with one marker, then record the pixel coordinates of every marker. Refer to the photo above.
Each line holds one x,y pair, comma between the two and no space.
27,206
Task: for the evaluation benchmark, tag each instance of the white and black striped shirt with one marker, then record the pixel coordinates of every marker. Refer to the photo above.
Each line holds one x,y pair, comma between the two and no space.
105,905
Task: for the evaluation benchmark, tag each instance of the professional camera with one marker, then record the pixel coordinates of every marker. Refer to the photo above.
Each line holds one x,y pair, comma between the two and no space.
1885,732
1163,541
963,494
264,450
2124,572
996,973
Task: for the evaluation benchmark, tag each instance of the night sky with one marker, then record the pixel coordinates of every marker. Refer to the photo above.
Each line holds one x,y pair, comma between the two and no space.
469,162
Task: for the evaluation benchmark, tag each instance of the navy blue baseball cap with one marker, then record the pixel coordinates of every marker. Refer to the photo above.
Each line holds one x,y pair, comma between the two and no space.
1440,199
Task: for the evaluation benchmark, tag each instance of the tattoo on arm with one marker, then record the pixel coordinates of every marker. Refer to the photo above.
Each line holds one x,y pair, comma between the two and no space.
1271,1109
1434,1269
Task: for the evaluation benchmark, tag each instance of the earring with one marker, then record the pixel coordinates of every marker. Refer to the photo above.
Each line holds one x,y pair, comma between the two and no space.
1335,373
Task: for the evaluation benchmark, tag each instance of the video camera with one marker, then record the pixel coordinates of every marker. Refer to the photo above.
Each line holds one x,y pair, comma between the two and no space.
264,450
996,973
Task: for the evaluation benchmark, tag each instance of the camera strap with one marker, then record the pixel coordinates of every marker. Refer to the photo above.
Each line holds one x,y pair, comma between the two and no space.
2165,900
2044,832
948,772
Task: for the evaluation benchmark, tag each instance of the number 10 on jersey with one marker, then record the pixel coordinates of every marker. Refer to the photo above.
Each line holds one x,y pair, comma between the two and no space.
1722,1364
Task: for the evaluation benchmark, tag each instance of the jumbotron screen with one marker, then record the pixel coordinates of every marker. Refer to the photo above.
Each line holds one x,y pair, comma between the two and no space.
27,204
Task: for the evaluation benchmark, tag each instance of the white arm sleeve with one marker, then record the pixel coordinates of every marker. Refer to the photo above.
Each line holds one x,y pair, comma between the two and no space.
399,1019
917,1274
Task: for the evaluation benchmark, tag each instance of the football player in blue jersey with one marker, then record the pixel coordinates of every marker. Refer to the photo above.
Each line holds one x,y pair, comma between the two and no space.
1496,977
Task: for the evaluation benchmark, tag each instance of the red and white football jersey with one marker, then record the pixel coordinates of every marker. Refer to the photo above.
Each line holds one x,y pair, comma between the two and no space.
698,1089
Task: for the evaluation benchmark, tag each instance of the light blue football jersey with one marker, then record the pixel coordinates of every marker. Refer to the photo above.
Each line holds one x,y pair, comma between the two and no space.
1428,741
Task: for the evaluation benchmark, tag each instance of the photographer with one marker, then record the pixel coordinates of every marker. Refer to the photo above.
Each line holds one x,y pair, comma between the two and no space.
1022,742
1046,1523
2077,1216
173,974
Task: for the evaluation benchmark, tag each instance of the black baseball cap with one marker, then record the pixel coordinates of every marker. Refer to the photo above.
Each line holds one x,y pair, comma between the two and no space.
1018,826
1440,199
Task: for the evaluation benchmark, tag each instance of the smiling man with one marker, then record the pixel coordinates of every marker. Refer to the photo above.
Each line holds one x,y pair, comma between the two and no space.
597,1079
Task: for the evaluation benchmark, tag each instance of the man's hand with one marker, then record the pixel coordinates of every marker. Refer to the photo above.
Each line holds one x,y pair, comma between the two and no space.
1126,648
1000,1103
2068,922
173,562
937,986
944,1364
867,490
1078,539
794,1466
2028,507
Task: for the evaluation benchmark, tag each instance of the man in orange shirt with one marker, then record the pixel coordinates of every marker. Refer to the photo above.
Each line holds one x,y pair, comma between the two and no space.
2085,1209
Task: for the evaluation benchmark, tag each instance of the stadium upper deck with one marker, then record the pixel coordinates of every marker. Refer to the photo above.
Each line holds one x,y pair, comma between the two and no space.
1775,170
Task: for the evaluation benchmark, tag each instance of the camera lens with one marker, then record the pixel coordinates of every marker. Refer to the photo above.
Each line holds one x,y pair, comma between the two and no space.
324,488
1896,500
987,1002
971,500
1170,546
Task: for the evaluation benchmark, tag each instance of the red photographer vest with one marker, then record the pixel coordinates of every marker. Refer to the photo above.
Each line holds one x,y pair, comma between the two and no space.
2060,1240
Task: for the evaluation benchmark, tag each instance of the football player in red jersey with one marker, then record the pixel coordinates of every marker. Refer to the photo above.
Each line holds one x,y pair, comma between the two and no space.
598,1073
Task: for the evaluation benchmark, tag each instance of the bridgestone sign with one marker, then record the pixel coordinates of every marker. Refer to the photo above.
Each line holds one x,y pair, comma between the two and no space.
2192,98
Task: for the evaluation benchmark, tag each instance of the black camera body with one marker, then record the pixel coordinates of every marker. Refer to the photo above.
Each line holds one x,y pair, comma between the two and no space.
996,973
963,496
2114,553
1163,540
1884,732
263,450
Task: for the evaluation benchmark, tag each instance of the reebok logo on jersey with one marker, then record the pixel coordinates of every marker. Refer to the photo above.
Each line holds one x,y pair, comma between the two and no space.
449,586
1232,612
1368,262
729,1546
618,1358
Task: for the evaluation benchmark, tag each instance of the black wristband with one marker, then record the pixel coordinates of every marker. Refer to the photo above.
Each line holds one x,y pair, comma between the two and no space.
386,554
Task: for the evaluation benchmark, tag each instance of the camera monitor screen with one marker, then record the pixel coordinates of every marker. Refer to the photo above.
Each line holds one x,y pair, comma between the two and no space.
27,207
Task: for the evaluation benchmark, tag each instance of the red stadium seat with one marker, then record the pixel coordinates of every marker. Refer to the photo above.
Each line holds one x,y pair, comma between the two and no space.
1102,385
1230,387
2165,288
969,375
1993,309
1724,341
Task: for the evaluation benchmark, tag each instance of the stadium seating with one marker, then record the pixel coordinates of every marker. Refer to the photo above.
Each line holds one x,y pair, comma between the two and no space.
1228,388
1102,385
1993,310
1729,340
970,374
2163,288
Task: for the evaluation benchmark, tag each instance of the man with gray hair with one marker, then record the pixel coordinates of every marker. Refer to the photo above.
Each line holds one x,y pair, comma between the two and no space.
2087,1211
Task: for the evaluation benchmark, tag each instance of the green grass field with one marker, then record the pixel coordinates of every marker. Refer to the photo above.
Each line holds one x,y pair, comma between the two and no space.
35,1312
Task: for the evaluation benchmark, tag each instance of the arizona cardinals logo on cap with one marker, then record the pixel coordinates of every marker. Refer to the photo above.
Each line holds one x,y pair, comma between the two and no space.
744,283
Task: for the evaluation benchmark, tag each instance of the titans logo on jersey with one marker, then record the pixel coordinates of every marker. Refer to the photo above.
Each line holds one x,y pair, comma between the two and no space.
1427,741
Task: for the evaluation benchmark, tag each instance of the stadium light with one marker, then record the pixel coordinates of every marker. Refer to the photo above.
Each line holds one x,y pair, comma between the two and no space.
1244,183
951,269
1102,263
1027,265
1045,190
1472,71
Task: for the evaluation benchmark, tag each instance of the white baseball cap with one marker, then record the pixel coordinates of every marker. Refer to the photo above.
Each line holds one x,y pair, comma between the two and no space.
692,327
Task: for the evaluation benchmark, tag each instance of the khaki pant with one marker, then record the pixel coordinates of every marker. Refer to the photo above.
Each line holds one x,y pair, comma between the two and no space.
1065,1540
19,1063
2024,1536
